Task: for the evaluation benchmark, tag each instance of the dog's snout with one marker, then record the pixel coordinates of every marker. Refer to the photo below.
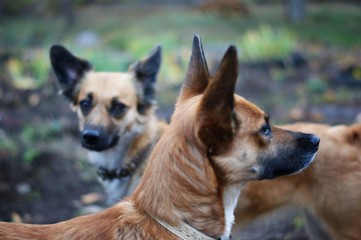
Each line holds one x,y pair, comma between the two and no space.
98,138
91,137
308,140
315,140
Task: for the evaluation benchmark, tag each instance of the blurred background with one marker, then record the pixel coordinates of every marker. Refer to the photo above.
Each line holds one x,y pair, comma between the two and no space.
299,60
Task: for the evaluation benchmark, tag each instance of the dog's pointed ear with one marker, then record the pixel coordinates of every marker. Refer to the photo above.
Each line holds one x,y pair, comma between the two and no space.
68,69
197,75
146,72
216,109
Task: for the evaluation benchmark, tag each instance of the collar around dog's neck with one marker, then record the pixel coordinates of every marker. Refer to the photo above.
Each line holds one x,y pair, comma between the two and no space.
127,170
184,231
106,174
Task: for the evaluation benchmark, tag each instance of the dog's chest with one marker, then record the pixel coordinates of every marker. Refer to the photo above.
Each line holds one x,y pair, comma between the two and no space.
109,159
116,188
230,198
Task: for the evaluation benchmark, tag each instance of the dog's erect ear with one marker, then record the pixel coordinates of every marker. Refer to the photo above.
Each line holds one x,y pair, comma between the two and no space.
197,75
353,134
146,72
68,69
218,121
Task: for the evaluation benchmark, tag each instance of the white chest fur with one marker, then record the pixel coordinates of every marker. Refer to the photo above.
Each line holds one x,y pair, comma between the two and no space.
230,198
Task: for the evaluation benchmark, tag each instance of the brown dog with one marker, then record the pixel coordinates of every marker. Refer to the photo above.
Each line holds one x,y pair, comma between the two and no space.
216,142
259,198
116,116
329,188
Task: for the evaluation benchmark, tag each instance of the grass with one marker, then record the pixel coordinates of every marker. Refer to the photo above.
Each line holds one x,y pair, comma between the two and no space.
120,26
25,144
267,43
329,26
128,33
8,146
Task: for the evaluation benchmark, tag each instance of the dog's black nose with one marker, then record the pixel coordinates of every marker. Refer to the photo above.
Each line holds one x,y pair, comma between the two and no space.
308,140
315,140
91,136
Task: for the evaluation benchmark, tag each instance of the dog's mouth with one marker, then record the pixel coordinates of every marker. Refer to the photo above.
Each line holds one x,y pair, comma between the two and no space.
98,140
272,171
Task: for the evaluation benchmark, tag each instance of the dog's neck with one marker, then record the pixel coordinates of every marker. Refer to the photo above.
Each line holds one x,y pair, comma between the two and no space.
127,169
180,185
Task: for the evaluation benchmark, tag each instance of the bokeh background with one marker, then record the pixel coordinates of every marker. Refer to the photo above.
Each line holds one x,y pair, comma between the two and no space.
299,60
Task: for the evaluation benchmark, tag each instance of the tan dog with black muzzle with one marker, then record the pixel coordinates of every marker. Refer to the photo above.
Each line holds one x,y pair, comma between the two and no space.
116,116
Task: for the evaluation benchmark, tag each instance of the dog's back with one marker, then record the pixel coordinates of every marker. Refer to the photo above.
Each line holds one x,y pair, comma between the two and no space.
122,221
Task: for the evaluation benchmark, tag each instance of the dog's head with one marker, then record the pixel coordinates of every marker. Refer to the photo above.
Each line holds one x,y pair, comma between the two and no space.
235,134
108,104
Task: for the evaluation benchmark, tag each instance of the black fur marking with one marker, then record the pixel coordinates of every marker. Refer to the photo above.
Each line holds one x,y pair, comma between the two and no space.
86,104
96,138
117,109
68,69
146,74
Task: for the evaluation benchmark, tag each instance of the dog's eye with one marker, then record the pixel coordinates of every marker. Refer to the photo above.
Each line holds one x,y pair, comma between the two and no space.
85,105
117,108
265,130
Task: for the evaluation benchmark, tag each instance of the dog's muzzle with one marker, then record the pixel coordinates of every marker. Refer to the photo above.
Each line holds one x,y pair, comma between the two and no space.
290,160
97,139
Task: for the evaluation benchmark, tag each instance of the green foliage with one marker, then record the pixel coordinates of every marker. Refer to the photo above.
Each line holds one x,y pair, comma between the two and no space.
8,146
30,69
30,155
34,195
105,59
316,84
39,131
24,32
39,66
298,222
331,25
141,46
32,135
356,73
28,135
279,75
267,43
128,33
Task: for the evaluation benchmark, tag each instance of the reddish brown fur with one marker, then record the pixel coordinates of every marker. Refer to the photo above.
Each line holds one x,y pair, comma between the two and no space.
259,198
122,221
329,188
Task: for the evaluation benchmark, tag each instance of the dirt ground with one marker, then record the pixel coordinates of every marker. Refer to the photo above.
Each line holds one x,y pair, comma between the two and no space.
45,178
